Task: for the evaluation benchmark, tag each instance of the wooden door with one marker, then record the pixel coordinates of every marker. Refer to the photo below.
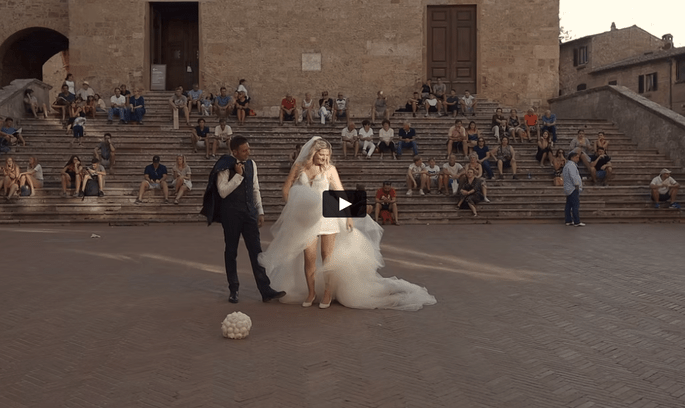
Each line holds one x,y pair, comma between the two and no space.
452,46
180,52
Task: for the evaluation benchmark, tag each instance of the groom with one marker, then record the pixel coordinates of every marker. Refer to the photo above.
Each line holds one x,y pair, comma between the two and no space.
232,198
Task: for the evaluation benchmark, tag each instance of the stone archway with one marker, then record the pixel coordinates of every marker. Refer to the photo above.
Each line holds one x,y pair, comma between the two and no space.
23,54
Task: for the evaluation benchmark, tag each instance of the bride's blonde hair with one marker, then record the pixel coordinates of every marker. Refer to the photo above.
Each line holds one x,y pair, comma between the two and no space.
320,144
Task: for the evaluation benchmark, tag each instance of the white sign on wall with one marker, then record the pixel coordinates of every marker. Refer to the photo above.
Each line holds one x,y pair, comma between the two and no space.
311,62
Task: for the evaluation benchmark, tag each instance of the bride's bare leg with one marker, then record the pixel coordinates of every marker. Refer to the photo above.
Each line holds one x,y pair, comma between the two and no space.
310,269
327,245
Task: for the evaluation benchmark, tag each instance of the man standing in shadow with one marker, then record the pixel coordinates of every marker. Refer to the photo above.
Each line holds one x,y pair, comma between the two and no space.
232,198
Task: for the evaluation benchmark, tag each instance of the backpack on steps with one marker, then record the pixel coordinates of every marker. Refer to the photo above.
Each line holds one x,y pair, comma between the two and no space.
92,188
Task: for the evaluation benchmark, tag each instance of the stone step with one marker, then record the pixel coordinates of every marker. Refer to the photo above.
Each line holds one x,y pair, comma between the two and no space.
531,200
157,213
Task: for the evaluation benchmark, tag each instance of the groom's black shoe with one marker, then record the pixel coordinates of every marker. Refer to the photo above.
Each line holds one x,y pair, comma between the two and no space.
272,295
233,297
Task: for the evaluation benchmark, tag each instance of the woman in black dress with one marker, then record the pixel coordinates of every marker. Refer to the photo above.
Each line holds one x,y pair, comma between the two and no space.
470,192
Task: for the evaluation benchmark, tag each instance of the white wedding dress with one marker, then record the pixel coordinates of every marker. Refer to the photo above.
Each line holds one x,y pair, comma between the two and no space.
353,265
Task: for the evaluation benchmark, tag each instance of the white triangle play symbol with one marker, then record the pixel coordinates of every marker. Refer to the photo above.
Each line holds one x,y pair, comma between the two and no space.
342,204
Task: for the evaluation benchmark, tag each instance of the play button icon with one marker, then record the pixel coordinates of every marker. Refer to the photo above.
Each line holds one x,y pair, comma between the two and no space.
344,203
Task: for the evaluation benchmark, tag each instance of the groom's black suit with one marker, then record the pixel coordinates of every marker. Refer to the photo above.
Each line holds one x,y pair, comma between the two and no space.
238,215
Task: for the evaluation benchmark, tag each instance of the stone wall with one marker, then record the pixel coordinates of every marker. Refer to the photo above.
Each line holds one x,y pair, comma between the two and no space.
603,49
649,124
19,18
365,46
107,43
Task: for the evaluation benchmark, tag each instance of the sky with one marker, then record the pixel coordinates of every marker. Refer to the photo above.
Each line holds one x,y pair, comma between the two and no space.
658,17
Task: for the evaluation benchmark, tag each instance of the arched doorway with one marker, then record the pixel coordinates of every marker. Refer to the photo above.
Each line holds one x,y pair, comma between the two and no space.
23,54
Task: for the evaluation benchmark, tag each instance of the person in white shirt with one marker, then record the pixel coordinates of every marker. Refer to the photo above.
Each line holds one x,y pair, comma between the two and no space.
433,105
308,112
222,136
433,173
117,106
33,176
241,213
468,103
69,81
417,176
664,188
85,91
241,88
385,135
451,171
340,108
366,137
350,139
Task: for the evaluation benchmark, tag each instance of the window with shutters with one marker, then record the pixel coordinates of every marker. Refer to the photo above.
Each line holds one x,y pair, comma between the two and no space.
580,56
647,83
680,70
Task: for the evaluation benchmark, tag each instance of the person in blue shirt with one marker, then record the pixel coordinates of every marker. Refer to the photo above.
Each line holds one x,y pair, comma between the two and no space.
198,137
549,123
407,141
223,103
137,106
155,179
10,132
484,154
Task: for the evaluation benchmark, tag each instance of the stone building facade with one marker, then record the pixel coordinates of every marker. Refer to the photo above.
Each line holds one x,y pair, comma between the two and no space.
580,57
629,57
658,76
356,47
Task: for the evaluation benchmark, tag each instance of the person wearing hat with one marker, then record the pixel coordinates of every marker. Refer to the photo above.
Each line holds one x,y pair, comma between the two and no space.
85,91
573,185
155,179
664,188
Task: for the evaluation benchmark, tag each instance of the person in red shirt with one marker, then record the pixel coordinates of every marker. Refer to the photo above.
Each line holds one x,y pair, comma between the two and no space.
531,120
288,109
386,200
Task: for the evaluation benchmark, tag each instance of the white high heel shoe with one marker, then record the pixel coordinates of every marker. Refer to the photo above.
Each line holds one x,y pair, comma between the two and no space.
323,305
308,304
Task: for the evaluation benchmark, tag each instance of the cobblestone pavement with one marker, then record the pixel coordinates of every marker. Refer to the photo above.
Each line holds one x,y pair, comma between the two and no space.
527,316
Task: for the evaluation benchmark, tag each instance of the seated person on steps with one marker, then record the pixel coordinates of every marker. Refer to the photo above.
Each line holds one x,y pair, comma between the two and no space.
350,138
223,103
222,136
105,152
665,188
386,200
95,172
198,137
154,179
417,176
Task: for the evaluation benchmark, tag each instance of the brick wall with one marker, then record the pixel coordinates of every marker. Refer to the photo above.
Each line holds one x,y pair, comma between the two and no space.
365,45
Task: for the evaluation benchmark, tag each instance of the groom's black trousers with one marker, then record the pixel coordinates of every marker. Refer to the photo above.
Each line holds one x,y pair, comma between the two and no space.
236,223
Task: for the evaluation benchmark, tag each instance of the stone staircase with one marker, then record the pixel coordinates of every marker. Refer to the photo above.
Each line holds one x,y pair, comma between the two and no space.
532,199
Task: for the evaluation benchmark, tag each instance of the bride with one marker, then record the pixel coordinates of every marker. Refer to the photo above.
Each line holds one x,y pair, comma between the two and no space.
350,251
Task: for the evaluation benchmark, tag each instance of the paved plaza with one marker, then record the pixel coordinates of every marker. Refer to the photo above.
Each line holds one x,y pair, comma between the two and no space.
527,316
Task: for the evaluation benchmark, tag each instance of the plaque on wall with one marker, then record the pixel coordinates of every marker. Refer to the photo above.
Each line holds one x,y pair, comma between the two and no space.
311,62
